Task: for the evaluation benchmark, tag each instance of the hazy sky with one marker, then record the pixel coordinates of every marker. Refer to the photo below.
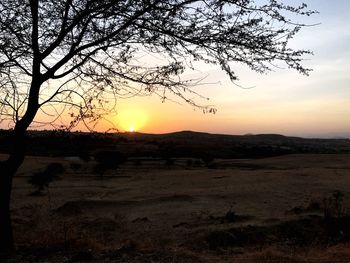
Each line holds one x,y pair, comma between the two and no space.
281,102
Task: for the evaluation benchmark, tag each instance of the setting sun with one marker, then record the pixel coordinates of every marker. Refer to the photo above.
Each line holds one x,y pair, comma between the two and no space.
131,120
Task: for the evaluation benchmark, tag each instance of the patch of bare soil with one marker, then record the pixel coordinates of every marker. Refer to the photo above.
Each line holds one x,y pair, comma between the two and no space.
284,209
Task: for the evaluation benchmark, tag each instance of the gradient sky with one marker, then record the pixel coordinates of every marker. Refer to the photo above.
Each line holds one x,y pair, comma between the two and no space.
282,102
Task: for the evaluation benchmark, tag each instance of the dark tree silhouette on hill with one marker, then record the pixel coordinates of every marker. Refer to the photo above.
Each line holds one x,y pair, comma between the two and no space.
77,57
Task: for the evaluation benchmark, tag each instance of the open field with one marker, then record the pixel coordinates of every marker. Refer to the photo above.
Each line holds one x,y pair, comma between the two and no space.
151,211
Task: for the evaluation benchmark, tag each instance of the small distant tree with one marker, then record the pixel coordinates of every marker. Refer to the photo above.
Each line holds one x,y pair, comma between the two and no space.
42,179
76,166
333,206
76,57
207,159
107,160
169,161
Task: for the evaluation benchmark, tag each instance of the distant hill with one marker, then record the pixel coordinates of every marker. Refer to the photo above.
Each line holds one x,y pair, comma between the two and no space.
177,144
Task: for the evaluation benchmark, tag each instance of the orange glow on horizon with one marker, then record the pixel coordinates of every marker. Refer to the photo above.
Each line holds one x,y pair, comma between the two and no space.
131,119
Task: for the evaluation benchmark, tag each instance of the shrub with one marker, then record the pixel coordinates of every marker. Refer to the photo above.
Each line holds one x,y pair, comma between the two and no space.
42,179
107,160
333,206
75,166
110,159
169,161
137,162
54,169
207,159
198,162
84,156
231,216
189,163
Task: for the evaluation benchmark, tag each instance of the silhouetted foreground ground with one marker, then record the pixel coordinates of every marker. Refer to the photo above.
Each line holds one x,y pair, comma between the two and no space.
292,208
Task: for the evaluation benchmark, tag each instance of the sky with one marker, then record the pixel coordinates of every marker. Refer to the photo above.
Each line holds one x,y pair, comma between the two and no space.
283,101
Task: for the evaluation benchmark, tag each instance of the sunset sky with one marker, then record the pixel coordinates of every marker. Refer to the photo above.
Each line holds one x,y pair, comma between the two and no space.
282,102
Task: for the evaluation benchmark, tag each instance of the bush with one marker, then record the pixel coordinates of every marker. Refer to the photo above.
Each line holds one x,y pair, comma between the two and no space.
189,163
231,216
42,179
110,159
169,161
207,159
75,166
54,169
137,162
333,206
84,156
107,160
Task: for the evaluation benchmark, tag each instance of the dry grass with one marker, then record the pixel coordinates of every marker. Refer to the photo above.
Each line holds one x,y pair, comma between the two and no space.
161,215
334,254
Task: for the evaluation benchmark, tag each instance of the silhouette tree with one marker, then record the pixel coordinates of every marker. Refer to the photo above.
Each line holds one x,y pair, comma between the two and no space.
77,57
42,179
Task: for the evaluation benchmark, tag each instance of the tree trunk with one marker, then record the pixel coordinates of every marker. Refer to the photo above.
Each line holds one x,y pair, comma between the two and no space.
6,237
7,171
9,168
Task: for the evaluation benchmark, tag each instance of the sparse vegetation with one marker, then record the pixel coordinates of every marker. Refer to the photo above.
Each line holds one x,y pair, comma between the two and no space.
108,160
175,214
231,216
207,159
137,162
75,166
42,179
295,233
333,206
189,162
85,156
169,161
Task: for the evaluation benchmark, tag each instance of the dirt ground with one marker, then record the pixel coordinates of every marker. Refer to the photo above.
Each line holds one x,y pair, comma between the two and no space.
149,211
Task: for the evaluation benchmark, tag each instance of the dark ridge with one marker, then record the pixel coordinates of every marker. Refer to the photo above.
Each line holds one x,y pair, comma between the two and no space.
176,144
